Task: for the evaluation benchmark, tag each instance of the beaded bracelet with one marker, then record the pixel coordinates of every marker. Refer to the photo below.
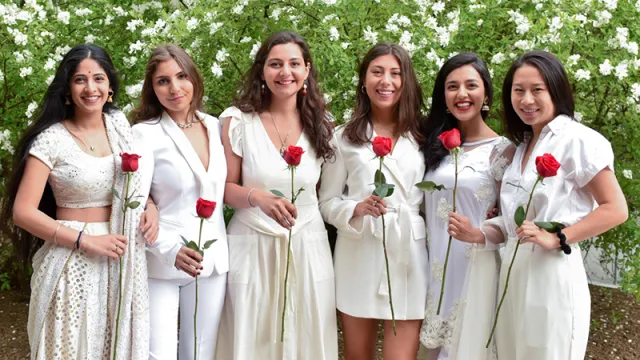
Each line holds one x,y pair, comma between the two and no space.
563,240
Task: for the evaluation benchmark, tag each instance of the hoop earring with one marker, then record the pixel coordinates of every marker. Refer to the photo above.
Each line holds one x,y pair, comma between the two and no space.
448,111
485,107
363,89
66,100
110,98
304,88
262,89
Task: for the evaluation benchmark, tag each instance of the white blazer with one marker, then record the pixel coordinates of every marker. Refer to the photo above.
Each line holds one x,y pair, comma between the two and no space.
179,179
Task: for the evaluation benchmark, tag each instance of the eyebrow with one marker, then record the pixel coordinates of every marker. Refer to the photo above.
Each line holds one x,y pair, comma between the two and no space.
278,59
534,84
167,76
466,81
382,67
85,75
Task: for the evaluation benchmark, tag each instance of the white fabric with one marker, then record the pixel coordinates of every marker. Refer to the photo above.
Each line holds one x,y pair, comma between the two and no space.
179,179
58,150
167,298
361,279
480,168
51,268
545,315
251,323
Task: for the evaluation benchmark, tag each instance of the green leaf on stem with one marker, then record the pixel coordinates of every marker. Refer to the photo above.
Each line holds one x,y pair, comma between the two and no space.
295,197
550,226
277,193
184,241
193,246
384,190
518,186
379,178
115,193
429,186
208,243
520,216
133,204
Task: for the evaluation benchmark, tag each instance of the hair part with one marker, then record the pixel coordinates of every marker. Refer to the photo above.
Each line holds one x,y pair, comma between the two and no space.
438,119
52,110
558,85
150,106
314,116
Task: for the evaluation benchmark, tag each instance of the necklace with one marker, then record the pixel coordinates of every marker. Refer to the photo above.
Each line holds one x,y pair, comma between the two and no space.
187,125
283,145
84,140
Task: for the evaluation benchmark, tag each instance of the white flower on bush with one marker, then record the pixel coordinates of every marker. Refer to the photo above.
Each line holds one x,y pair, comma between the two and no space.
18,37
632,48
443,36
275,14
327,98
30,109
524,45
581,19
431,23
245,39
479,22
556,24
438,7
329,18
129,62
137,46
610,4
582,74
603,18
238,9
25,71
627,174
222,55
521,21
345,45
216,70
329,2
132,25
392,28
127,109
49,80
213,28
254,50
635,92
192,24
6,141
333,34
498,58
578,116
605,67
83,12
120,11
355,80
1,76
89,39
63,17
148,32
370,35
50,64
621,70
573,60
346,116
134,91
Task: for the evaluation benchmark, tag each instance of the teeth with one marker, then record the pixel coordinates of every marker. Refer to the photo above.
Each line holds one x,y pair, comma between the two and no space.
383,92
529,111
464,104
287,82
91,98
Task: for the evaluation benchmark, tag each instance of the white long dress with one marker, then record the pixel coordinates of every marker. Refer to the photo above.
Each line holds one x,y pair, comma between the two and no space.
361,276
251,319
481,165
545,315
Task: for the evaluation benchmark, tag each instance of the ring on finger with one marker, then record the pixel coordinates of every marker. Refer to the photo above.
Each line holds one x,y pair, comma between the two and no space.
375,202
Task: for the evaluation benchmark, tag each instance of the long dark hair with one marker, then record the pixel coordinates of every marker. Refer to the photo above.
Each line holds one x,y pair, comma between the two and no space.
52,110
150,107
409,106
312,109
438,119
557,82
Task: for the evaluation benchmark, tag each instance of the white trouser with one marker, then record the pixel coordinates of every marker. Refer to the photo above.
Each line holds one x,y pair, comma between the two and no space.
166,297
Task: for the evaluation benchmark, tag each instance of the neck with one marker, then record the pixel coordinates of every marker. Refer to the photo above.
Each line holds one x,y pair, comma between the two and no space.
472,130
384,117
88,121
181,117
286,107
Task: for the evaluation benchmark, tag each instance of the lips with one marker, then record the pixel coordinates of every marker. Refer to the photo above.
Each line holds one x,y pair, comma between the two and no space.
529,112
91,99
385,93
463,105
285,82
176,99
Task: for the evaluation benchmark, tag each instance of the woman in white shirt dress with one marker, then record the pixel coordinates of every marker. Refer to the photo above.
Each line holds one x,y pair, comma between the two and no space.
189,163
545,315
462,97
279,105
388,104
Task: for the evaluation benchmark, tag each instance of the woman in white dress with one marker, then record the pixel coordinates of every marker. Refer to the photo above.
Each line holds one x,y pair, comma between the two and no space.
60,194
279,105
189,164
388,104
461,97
545,314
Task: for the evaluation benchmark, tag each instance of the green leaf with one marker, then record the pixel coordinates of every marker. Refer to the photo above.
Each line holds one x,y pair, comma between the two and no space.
277,193
379,178
550,226
115,193
184,241
133,204
200,252
295,197
193,246
381,191
518,186
429,186
519,216
208,243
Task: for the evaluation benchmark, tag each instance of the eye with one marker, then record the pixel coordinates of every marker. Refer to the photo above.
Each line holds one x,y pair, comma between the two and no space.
99,78
538,90
182,76
162,81
274,65
376,72
79,80
396,73
295,64
518,90
472,86
452,87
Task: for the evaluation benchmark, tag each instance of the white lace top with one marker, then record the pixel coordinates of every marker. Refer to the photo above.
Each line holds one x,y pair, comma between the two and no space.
78,180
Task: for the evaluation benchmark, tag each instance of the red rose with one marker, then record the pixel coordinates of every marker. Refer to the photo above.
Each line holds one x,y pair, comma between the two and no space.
547,165
129,162
205,208
382,145
450,139
293,155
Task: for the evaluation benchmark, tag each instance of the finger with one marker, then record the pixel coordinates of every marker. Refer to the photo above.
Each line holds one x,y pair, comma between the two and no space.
153,235
195,256
188,269
382,208
291,209
382,202
143,220
121,238
376,198
147,225
373,211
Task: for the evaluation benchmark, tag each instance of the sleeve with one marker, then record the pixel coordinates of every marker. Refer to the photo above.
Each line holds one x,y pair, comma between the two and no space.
167,246
45,148
334,208
495,233
236,128
589,153
501,157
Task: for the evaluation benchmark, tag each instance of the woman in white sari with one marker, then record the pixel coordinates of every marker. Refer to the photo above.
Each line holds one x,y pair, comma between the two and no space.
61,192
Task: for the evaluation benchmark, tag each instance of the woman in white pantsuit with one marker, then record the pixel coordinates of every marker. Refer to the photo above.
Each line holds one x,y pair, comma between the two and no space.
280,105
388,104
189,164
545,315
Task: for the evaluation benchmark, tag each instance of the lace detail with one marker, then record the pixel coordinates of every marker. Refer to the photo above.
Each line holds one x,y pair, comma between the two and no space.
484,192
499,166
437,269
444,208
437,331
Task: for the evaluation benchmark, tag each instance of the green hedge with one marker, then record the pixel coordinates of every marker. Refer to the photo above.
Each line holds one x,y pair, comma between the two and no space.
595,39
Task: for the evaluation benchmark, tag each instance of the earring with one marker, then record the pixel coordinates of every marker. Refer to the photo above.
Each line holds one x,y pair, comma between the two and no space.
66,100
485,107
448,111
262,89
110,98
363,89
304,88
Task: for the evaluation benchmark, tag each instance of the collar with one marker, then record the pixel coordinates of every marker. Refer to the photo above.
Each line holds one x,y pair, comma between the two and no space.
557,125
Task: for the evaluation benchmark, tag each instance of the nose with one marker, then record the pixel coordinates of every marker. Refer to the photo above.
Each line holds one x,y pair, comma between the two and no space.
462,93
91,86
386,79
285,70
173,86
527,98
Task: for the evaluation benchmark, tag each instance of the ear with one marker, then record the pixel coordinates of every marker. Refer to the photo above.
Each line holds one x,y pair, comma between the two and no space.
306,70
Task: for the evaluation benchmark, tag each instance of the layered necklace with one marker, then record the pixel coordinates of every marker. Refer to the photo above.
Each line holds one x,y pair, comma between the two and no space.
283,143
189,124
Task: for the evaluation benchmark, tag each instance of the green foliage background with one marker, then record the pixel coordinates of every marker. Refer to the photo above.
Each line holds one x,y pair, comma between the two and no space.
598,36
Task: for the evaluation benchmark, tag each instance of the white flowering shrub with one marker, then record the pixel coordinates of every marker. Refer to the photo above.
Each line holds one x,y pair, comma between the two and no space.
597,40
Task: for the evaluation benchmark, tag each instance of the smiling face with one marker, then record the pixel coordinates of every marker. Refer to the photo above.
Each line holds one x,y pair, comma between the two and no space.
530,97
465,93
89,87
173,88
383,82
285,71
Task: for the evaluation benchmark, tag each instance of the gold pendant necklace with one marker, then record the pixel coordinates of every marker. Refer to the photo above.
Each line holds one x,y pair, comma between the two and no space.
283,143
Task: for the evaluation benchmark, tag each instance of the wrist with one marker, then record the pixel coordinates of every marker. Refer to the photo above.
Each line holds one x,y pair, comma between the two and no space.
480,236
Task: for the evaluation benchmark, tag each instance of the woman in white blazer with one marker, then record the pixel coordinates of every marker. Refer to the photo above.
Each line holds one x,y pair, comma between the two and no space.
189,164
388,104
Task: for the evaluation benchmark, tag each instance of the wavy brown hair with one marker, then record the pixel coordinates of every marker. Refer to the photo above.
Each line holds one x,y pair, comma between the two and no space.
409,106
150,107
311,107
